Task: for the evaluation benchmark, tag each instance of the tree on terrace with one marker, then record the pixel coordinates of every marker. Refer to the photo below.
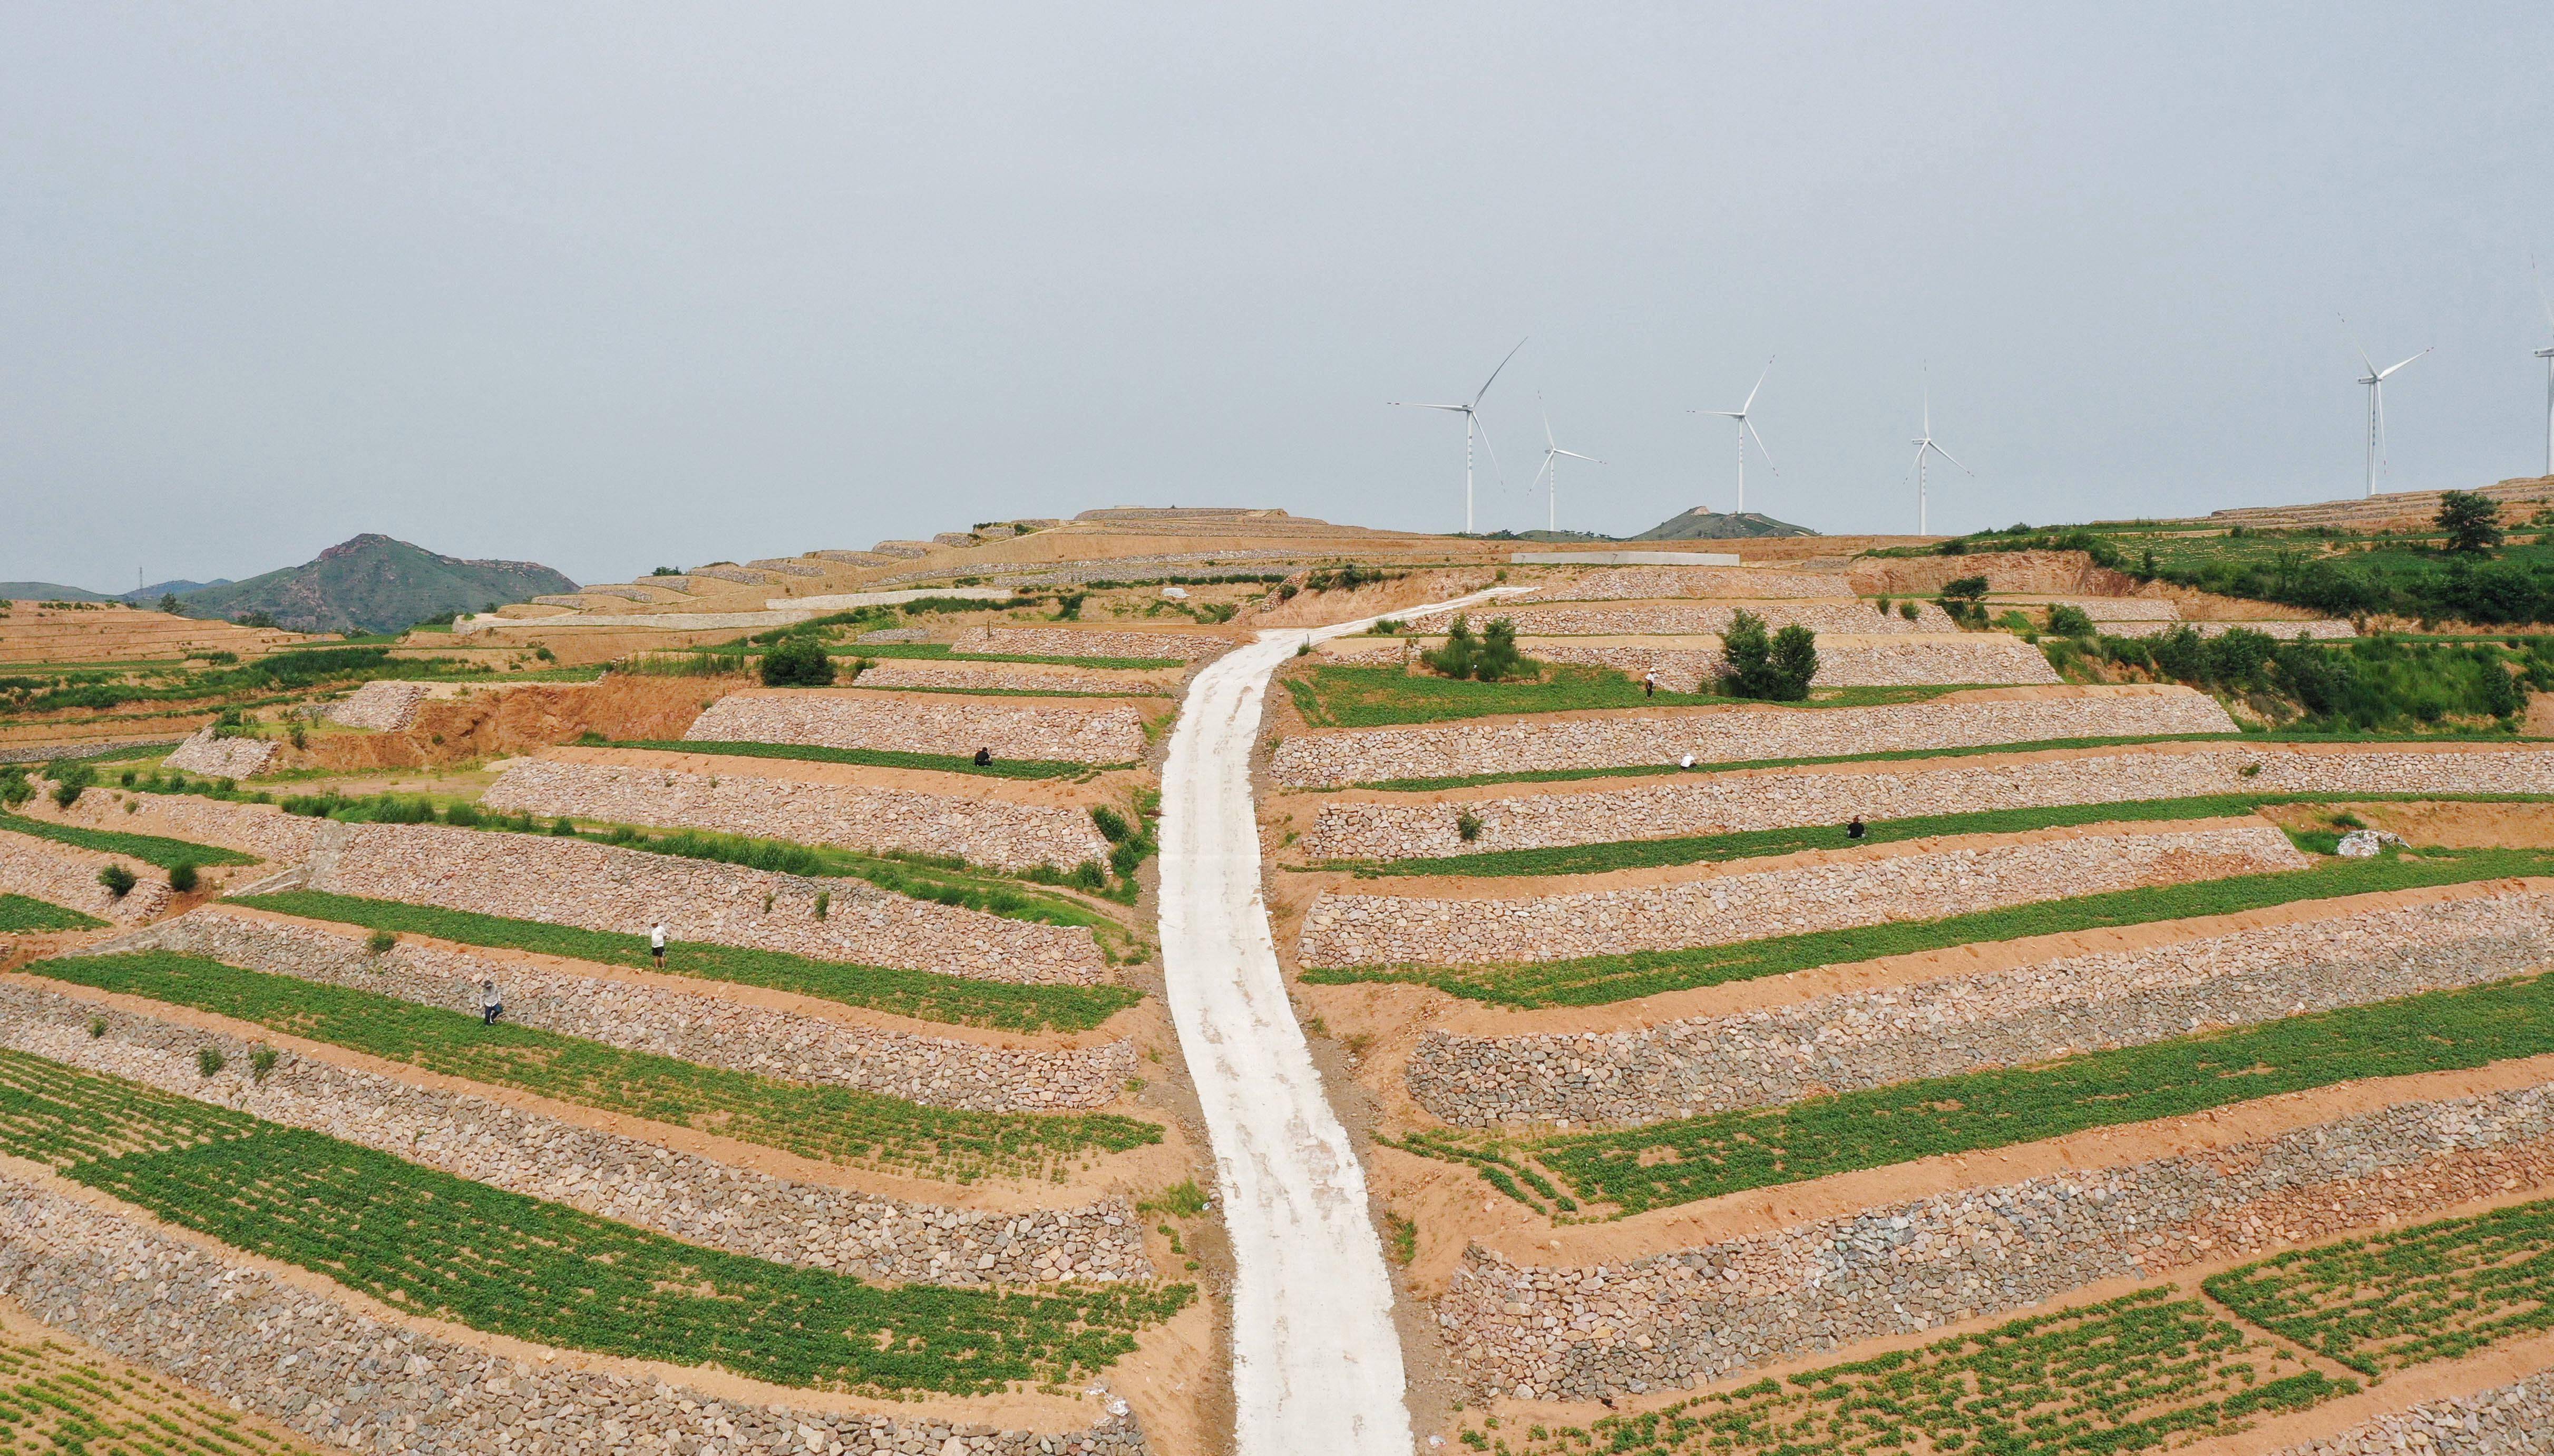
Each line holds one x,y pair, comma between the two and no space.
1777,668
2472,521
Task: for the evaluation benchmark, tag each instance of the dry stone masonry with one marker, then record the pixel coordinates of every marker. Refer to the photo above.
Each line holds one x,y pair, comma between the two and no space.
2321,629
319,1366
1980,659
260,830
1062,642
1000,833
1647,583
921,673
384,706
61,874
222,758
2515,1419
1692,1315
1335,759
1790,899
1969,1023
856,718
682,1194
1693,618
643,1017
1732,803
600,887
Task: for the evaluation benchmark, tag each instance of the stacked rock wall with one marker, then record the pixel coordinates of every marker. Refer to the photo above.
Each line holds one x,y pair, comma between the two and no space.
1695,619
1676,1318
912,672
1968,1023
63,876
955,727
641,1017
222,758
1737,802
1065,641
260,830
1718,909
682,1194
599,887
1333,759
2515,1419
2322,630
318,1365
1650,582
1983,659
983,830
388,706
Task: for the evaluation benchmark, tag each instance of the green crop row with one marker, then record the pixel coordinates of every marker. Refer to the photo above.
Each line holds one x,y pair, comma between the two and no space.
18,913
1672,1163
1594,980
447,1247
1331,695
832,1124
922,994
1755,844
53,1399
165,852
1007,768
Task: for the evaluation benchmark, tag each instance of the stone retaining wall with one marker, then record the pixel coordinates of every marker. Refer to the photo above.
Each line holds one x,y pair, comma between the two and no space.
1732,803
1985,659
709,1030
2515,1419
2321,630
65,876
1746,905
680,1195
1066,641
732,573
1649,583
383,706
1693,619
222,758
314,1364
910,672
600,887
1368,755
260,830
2107,611
1698,1315
1969,1023
853,718
985,830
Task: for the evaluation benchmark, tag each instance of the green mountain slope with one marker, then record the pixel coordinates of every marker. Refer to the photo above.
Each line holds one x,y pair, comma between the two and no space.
373,583
46,592
1700,525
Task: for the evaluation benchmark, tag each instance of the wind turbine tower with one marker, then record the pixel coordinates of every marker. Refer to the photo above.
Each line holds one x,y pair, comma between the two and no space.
2548,356
1471,413
1552,453
1925,446
1744,431
2375,379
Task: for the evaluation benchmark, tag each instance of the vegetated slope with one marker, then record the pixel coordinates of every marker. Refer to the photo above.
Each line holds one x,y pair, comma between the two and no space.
47,592
1700,525
374,584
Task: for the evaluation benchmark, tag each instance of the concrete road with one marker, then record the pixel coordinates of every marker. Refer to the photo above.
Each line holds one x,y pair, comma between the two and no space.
1317,1362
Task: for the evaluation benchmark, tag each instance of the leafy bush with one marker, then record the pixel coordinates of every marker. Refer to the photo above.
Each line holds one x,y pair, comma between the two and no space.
117,879
1776,670
1966,600
210,1059
1490,657
797,663
67,794
2069,621
182,876
2472,521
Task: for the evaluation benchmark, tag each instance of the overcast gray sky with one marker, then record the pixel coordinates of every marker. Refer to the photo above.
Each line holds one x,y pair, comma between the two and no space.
615,287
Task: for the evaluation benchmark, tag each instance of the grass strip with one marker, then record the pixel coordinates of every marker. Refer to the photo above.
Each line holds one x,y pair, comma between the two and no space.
923,994
506,1264
1383,696
1594,980
1672,1163
1001,768
830,1124
157,849
2436,1292
1757,844
939,652
55,1397
2144,1370
18,912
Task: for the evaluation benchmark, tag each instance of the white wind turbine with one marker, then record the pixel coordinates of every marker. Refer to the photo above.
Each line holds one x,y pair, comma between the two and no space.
1550,474
1924,446
2548,356
1472,421
2375,379
1744,431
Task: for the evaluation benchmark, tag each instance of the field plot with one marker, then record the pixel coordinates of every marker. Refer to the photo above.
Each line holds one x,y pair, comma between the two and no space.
18,913
57,1395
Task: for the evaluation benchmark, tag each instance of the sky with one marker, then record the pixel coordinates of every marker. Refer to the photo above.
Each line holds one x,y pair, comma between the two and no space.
618,287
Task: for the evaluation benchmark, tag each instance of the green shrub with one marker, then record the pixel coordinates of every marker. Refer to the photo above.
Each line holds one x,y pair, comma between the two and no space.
119,882
210,1059
2069,620
1965,600
462,813
1111,825
182,877
261,1060
1910,611
562,829
1776,669
1467,824
380,942
824,903
67,794
797,663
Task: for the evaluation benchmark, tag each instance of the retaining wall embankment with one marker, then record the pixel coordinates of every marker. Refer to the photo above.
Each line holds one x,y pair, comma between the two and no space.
322,1365
2323,629
1676,1318
1733,803
221,758
262,829
1000,833
384,707
1693,619
1868,888
1650,582
2515,1419
682,1194
1335,758
643,1017
1003,677
600,887
856,718
1983,659
64,875
2106,612
1065,641
1969,1023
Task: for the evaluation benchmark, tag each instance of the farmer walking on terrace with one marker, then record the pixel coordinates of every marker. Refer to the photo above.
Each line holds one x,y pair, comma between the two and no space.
490,1005
657,944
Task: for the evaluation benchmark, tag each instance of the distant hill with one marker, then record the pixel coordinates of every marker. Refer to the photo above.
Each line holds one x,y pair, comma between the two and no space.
373,583
46,592
1700,525
177,587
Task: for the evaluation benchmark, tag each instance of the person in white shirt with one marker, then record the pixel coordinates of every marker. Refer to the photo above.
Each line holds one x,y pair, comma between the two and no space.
657,944
491,1006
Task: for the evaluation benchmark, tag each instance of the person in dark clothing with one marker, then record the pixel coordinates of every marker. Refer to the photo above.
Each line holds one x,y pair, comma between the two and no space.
1855,829
984,757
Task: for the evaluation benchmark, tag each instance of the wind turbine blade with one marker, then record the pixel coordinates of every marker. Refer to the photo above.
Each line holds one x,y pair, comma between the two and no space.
2541,295
1494,374
2381,457
2354,344
1947,455
2391,368
1495,473
1575,455
1411,404
1751,395
1548,440
1719,413
1750,426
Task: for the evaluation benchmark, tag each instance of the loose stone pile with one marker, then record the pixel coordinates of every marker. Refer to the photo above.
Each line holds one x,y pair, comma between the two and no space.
2514,1419
1693,619
1868,888
260,830
1976,659
1066,641
1696,1315
907,672
384,706
234,1330
1730,802
1001,833
1646,582
1967,1023
853,718
643,1017
1727,735
67,876
600,887
222,758
682,1195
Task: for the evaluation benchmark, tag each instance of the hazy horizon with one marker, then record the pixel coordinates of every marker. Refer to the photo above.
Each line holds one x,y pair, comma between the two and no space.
612,289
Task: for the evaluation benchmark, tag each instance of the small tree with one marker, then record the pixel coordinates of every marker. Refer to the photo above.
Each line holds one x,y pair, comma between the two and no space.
800,662
1456,658
1498,656
1776,667
1795,663
1966,600
2069,622
169,602
2472,521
